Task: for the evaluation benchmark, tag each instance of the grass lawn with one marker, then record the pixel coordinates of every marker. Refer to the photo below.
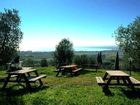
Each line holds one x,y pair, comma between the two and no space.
66,90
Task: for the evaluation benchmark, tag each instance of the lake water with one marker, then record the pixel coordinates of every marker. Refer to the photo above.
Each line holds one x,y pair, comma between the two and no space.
90,48
96,48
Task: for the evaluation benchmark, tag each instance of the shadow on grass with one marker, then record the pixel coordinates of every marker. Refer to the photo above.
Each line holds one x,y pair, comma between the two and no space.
68,74
86,71
82,72
14,94
107,91
11,100
132,94
16,91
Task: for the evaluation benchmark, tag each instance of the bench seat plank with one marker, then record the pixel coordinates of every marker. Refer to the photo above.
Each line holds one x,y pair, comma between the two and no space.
134,81
100,81
37,78
12,76
79,69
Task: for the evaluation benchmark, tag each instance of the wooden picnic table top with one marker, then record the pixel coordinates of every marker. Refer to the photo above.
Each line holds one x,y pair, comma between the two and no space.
22,71
117,73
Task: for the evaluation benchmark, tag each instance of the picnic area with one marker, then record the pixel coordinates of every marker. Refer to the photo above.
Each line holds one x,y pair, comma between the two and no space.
81,89
86,67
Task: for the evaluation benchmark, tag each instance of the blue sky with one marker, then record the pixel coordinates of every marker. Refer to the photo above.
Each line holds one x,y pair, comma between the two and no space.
85,22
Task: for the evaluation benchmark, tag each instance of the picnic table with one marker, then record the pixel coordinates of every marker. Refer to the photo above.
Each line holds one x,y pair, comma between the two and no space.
23,76
112,77
68,69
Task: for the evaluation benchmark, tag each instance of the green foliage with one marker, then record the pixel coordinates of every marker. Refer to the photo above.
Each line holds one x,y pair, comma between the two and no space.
29,62
77,60
99,58
10,34
44,62
128,39
64,52
83,59
92,59
51,62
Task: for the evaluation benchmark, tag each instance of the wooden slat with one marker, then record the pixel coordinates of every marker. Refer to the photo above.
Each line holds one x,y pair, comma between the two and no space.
12,76
100,81
134,81
79,69
37,78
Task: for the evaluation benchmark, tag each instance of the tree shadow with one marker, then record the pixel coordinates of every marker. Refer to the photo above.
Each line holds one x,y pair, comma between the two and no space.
13,95
15,90
82,72
132,94
10,100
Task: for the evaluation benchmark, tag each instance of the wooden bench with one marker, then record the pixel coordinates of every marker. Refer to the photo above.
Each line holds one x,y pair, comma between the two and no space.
100,81
134,81
77,70
37,78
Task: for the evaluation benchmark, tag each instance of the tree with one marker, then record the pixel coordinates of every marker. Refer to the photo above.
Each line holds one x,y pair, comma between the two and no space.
99,58
77,59
10,34
128,39
29,62
44,62
117,62
64,52
84,59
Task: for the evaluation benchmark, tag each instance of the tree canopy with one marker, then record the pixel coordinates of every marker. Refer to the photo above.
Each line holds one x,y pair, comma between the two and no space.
64,52
128,39
10,34
99,58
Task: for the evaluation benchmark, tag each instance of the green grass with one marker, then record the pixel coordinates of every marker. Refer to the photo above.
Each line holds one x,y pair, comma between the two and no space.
66,90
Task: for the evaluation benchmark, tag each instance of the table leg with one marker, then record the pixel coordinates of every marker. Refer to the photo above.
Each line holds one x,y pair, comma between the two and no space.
27,82
108,82
58,72
105,76
71,72
96,68
41,83
118,80
6,81
130,83
125,81
29,74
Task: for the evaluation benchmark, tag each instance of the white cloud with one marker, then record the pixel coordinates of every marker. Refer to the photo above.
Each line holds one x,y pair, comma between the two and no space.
37,44
43,41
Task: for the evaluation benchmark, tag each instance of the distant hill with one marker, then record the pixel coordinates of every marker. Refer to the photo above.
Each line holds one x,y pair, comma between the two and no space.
35,55
48,55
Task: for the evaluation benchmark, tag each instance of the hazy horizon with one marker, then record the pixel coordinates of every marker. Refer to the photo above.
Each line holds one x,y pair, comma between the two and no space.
81,48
